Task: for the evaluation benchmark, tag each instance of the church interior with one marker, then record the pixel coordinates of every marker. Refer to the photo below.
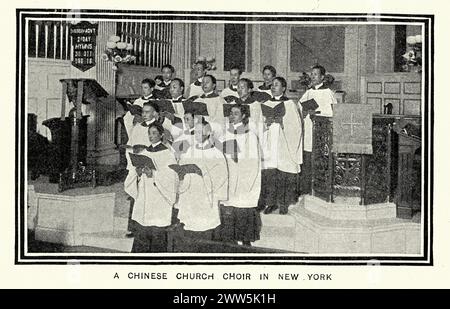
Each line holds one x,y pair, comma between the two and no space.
359,203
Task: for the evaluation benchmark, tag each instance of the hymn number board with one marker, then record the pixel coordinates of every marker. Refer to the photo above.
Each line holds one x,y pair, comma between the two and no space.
84,38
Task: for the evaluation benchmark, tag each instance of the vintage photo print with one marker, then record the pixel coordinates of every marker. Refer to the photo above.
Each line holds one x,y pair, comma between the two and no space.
168,137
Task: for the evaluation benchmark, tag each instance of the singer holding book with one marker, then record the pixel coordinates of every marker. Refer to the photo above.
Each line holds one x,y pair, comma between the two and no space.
153,186
324,97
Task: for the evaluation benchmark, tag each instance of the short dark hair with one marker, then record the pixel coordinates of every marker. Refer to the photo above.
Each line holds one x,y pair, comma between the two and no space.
271,69
282,80
248,82
158,126
235,67
179,81
169,66
203,64
158,77
213,79
321,68
149,82
152,104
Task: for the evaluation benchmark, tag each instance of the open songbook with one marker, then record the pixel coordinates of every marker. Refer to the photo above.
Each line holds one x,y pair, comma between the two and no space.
134,109
197,108
273,112
184,169
309,105
261,96
142,161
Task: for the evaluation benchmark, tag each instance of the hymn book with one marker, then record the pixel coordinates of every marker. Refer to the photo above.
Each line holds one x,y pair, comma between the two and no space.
141,161
184,169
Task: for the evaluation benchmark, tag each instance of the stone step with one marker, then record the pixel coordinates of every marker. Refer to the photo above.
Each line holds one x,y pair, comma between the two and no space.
116,241
277,232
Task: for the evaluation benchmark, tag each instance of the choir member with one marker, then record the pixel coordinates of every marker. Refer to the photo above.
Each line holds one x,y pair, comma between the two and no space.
240,219
154,190
269,74
213,103
282,150
147,86
324,97
203,184
159,82
131,118
167,71
162,90
195,89
245,87
230,92
176,90
151,114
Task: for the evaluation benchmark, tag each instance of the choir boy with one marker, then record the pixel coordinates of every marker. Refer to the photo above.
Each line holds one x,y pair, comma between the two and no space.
154,190
269,74
282,150
195,89
203,184
240,219
213,103
230,92
325,99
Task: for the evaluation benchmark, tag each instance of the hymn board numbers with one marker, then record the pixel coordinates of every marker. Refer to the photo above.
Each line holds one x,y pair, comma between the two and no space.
84,38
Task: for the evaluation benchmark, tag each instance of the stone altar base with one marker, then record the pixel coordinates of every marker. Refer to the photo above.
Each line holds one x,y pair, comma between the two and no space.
64,219
314,226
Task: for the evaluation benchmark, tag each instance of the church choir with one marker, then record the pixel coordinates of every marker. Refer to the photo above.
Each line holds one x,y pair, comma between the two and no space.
209,163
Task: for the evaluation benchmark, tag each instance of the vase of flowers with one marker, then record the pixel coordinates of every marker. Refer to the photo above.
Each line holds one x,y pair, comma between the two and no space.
118,52
412,58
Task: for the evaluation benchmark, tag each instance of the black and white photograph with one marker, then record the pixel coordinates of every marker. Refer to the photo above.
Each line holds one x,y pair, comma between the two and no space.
218,137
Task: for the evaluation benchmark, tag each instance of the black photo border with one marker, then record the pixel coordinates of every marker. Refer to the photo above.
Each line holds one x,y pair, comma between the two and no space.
21,257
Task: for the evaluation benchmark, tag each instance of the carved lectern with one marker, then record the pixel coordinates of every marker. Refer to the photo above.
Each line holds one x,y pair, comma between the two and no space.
85,142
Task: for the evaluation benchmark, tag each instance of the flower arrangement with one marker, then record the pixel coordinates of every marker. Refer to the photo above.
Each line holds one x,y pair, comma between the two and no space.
305,80
413,56
118,52
210,62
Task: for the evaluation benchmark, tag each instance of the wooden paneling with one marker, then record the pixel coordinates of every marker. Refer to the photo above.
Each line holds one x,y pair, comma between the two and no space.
402,90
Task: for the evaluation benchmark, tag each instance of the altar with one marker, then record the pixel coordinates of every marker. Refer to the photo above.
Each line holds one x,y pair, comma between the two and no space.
370,179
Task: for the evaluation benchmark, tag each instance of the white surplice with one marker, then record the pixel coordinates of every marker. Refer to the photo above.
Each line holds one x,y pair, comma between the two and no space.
325,99
154,196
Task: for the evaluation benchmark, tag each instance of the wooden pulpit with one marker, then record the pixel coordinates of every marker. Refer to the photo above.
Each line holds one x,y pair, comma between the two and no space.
391,173
85,138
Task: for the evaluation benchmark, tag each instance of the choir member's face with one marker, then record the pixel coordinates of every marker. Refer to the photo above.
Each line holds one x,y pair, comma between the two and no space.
154,135
148,113
316,77
234,77
189,120
167,74
158,81
175,89
243,90
277,88
146,89
199,71
268,76
207,85
236,115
